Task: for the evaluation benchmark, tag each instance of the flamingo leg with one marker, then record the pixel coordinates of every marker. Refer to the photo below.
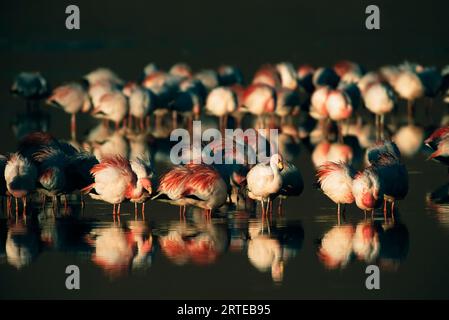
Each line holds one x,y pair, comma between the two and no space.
113,210
385,210
118,209
73,126
17,206
280,207
135,210
142,124
143,210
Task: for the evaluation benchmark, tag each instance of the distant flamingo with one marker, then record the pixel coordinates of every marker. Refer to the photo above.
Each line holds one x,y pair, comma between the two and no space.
379,99
72,98
31,86
220,102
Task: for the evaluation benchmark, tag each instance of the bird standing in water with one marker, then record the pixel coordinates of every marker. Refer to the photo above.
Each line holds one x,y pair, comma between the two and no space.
335,179
72,98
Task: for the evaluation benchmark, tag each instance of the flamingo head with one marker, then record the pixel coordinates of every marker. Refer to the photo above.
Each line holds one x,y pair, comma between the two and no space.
277,161
146,184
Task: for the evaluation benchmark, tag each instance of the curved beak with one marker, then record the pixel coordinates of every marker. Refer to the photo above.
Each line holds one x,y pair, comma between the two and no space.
146,184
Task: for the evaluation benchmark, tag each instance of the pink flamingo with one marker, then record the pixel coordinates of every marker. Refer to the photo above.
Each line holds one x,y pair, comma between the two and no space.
116,182
72,98
335,180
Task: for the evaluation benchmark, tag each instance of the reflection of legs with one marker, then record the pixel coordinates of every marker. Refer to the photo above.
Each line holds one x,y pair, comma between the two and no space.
24,201
280,207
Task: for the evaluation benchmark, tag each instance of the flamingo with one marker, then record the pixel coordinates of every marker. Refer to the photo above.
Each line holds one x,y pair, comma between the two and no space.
220,102
335,180
409,87
288,102
393,174
112,106
103,75
265,181
267,75
325,77
339,108
288,75
141,103
20,178
366,188
192,184
229,75
304,75
209,78
379,99
72,98
438,142
348,71
115,182
259,99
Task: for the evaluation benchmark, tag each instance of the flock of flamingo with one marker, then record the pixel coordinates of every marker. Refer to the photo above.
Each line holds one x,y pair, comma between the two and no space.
335,111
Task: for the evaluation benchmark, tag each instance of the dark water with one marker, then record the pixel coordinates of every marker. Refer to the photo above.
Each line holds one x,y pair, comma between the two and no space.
221,259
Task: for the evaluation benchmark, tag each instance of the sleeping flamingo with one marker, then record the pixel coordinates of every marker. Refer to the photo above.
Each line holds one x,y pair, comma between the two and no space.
192,184
21,178
265,181
112,106
116,182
